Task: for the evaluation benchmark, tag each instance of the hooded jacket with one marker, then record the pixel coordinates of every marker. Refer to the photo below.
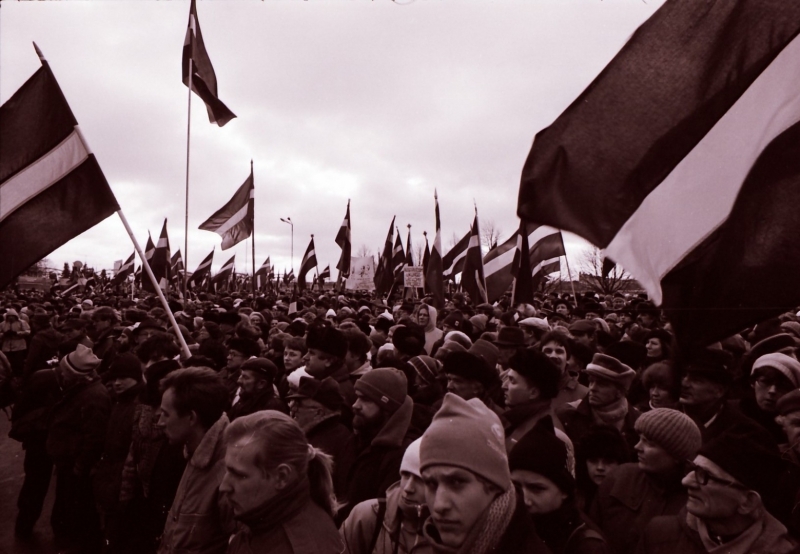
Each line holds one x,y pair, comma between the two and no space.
13,333
432,333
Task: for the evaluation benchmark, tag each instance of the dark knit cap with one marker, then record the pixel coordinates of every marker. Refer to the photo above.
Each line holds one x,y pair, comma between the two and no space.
752,462
672,430
247,347
540,451
385,386
126,366
326,392
327,339
510,337
538,370
472,367
262,366
711,363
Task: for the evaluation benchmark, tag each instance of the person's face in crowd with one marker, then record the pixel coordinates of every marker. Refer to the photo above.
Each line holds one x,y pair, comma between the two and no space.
202,334
250,382
366,413
101,324
557,354
660,397
246,484
647,320
456,499
351,361
769,386
235,359
791,426
121,384
584,337
627,319
653,458
309,317
562,309
591,316
423,317
654,348
602,392
719,498
517,390
177,428
618,303
599,468
145,334
697,390
465,388
317,363
255,319
305,411
292,359
540,494
412,489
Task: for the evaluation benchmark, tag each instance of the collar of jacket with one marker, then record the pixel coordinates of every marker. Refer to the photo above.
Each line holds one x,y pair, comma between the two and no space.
393,433
210,443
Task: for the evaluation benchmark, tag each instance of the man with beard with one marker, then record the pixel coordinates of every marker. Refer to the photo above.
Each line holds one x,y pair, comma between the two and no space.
256,391
381,420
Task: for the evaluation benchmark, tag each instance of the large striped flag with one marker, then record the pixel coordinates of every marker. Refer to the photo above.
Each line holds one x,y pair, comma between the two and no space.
344,240
124,271
522,289
434,273
398,259
51,187
453,261
326,273
204,80
203,270
681,161
224,274
472,276
235,220
384,275
309,262
545,247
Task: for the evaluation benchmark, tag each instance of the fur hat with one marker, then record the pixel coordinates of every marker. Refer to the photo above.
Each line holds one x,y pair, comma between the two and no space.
470,366
468,435
486,350
611,369
713,364
125,366
327,339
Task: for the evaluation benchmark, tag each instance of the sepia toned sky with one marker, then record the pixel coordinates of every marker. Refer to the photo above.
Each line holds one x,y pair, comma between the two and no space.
378,102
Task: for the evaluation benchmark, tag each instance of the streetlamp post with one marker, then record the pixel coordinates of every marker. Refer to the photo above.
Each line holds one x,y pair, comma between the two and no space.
289,221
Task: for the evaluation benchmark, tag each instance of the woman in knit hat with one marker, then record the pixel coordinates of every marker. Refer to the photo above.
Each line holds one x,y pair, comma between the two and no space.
635,493
539,469
773,376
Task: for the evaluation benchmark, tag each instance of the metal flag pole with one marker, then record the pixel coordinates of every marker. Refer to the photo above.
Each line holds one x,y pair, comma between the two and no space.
159,292
186,214
253,243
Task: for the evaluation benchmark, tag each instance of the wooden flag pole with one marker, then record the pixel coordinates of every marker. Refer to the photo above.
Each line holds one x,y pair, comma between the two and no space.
186,215
253,243
146,267
571,284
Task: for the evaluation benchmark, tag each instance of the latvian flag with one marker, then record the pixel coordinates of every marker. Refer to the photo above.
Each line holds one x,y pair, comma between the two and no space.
225,272
124,271
326,273
234,221
159,261
176,265
204,80
344,240
202,271
434,280
398,259
309,262
51,187
262,274
472,277
384,276
681,161
453,261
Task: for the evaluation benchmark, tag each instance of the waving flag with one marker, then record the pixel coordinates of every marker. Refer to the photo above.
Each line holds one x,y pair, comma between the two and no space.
223,276
453,261
176,264
384,276
124,271
159,262
398,259
202,270
234,221
680,160
472,277
344,240
204,80
434,273
51,187
309,262
262,275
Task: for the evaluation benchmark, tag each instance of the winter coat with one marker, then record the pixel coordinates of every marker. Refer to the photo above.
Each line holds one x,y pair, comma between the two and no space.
265,399
569,531
628,499
396,535
30,417
13,333
108,474
290,524
378,465
43,347
77,430
679,534
578,421
200,520
332,437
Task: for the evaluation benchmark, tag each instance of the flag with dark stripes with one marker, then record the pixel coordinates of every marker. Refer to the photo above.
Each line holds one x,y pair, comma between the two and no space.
344,240
309,262
398,259
235,220
434,273
426,254
51,187
453,261
545,247
204,80
522,291
137,276
159,262
326,273
384,275
409,254
203,270
124,271
176,264
680,160
472,276
262,275
224,274
149,252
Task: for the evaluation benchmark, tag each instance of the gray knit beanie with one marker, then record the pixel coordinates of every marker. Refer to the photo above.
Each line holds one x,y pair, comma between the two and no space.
672,430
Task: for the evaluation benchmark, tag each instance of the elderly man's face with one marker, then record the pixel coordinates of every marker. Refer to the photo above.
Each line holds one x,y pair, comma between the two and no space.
602,392
697,390
718,499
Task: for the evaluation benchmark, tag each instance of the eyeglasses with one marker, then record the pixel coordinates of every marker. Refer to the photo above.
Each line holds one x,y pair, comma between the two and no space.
781,385
702,477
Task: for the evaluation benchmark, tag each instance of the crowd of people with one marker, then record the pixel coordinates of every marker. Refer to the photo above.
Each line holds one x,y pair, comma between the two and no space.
328,423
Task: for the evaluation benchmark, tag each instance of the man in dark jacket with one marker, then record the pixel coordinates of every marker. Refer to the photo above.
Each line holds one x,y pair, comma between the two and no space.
381,419
44,344
256,392
327,348
316,407
75,442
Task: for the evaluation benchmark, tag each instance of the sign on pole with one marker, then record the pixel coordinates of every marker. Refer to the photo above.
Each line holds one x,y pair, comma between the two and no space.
362,274
413,277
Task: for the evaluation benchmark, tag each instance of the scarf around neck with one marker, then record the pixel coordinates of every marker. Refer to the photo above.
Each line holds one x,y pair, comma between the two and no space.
611,414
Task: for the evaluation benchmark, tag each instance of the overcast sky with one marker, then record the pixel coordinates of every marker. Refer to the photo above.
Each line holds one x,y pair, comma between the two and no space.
374,101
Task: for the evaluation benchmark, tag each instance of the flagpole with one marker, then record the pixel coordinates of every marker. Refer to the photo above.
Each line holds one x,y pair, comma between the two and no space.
186,215
159,292
571,284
